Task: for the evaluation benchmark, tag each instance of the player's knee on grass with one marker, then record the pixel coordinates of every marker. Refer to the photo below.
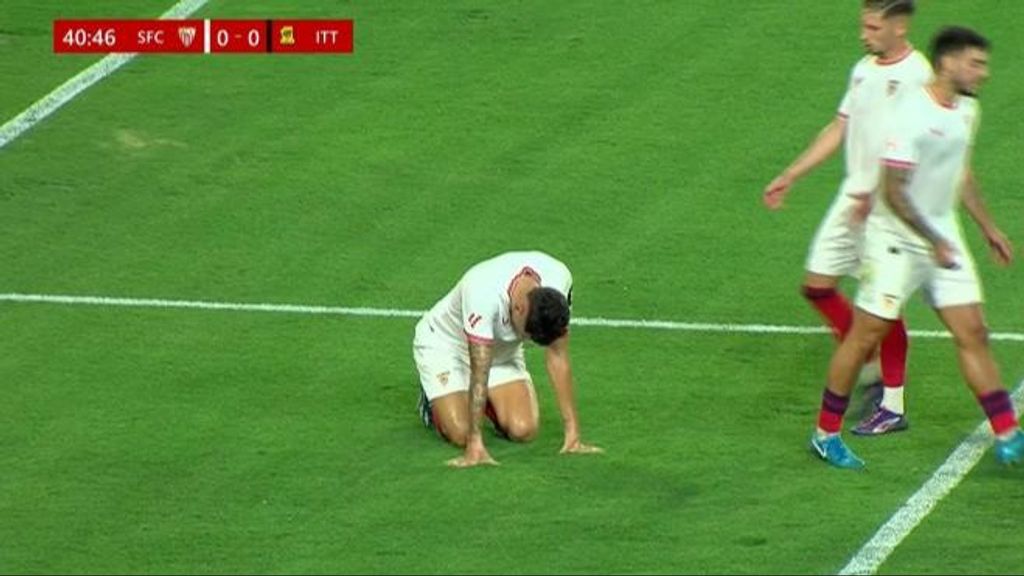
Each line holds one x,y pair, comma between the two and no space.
451,417
454,432
521,429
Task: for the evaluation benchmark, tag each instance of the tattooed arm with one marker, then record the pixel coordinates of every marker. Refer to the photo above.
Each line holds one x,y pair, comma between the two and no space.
895,180
480,357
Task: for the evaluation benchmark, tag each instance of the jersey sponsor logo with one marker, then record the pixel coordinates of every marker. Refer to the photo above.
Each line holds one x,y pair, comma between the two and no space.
892,87
474,319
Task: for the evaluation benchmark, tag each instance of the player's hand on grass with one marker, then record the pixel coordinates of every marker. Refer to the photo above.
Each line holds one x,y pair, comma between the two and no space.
574,446
776,191
475,455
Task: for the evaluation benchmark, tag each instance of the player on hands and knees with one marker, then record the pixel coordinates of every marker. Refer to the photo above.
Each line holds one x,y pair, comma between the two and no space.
469,353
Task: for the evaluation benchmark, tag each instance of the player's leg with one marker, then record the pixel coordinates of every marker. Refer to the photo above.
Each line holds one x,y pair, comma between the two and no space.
513,399
981,373
888,277
834,253
867,332
450,417
956,297
967,325
444,387
893,358
515,409
886,397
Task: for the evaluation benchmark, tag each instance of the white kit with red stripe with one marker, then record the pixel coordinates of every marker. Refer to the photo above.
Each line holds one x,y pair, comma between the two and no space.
876,86
933,140
478,308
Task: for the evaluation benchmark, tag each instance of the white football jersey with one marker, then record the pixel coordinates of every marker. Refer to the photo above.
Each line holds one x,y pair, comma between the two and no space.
875,87
933,141
478,308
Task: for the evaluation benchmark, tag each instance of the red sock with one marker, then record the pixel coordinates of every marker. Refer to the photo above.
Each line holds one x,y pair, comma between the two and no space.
893,355
999,409
833,306
833,407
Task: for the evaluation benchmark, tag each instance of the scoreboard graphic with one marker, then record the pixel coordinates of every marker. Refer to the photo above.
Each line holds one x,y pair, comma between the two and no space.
203,36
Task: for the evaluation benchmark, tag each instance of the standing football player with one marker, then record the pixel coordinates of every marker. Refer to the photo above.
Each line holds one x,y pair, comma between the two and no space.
891,68
914,241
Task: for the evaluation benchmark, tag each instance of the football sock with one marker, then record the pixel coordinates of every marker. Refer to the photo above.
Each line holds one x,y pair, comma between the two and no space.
833,407
893,355
833,306
999,409
892,399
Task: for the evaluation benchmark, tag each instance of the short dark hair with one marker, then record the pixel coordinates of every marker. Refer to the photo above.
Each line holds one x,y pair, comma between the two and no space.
548,318
953,39
891,7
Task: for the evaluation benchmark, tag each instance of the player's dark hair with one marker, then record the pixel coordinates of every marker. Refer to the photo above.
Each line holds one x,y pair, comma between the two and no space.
954,39
549,315
891,7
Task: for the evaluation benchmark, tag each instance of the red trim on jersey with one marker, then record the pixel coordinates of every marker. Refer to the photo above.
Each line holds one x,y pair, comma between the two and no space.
950,106
478,339
895,59
902,164
526,271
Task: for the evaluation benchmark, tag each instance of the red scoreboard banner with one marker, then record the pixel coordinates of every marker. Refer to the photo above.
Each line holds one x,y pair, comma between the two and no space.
239,36
177,36
204,36
311,36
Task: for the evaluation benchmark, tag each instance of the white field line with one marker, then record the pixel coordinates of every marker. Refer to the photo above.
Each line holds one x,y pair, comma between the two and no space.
875,551
401,313
868,558
80,82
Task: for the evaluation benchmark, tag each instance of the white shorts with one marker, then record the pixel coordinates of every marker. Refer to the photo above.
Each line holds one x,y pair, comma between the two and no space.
838,243
444,367
893,269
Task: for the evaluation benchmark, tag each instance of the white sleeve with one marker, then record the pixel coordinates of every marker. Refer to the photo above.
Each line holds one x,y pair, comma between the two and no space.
975,122
846,104
901,149
479,310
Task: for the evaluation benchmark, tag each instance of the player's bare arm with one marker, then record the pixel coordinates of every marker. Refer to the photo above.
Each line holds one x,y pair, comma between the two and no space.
824,146
559,369
895,184
1002,248
480,358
